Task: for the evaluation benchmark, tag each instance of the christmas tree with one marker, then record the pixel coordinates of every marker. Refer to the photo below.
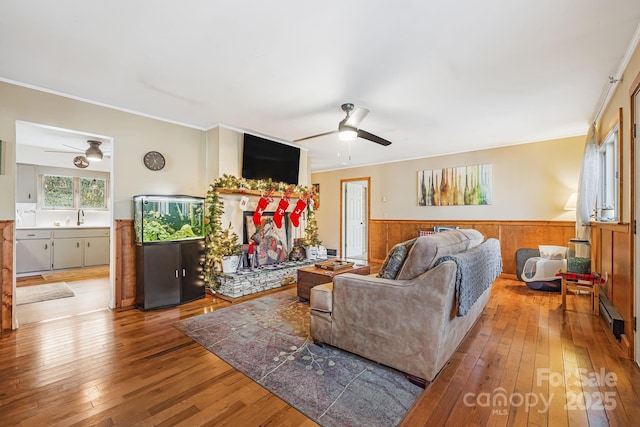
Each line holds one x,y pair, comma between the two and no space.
311,237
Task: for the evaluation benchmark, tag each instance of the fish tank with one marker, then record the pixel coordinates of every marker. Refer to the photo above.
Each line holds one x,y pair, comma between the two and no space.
159,218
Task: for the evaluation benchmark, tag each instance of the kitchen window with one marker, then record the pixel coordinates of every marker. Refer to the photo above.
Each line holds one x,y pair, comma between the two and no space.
68,192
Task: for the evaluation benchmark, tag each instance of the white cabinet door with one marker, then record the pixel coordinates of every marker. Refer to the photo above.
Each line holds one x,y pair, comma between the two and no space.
33,255
96,251
67,253
26,183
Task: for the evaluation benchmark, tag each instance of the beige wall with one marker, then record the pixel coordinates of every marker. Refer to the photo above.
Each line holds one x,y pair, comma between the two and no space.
622,99
133,135
194,157
530,182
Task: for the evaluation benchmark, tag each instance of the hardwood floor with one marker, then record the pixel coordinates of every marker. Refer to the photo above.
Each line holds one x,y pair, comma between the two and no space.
129,367
90,286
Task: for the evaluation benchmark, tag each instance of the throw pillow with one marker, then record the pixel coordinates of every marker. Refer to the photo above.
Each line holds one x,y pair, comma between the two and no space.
395,259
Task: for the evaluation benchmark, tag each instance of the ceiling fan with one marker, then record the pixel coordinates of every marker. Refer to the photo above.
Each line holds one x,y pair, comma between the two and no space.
348,128
93,153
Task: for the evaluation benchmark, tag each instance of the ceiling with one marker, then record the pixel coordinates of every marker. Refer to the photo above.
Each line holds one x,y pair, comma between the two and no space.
438,77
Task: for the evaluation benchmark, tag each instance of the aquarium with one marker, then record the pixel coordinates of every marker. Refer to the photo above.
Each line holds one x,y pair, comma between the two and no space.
167,218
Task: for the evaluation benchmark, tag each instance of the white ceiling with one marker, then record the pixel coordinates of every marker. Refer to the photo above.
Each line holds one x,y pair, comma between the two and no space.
438,77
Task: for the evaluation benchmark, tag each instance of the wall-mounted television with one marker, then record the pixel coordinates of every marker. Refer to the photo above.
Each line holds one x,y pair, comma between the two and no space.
264,159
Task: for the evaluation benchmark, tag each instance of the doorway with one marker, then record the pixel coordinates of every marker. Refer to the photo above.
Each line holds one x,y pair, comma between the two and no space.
64,223
354,218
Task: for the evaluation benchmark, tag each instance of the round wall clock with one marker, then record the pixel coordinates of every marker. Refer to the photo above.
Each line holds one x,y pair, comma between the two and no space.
154,160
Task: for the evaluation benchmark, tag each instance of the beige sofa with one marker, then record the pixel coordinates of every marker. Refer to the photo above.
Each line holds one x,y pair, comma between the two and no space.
409,317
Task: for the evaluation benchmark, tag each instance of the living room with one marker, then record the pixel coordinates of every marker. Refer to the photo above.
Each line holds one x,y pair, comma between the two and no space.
531,182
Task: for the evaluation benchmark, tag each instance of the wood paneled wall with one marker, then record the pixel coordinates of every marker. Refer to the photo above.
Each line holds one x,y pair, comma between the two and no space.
513,235
612,247
6,276
125,263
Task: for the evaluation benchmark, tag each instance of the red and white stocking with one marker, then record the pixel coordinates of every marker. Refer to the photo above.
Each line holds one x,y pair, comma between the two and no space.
297,211
257,215
282,207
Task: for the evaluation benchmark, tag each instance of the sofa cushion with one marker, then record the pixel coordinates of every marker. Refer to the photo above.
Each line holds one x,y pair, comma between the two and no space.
321,297
394,260
428,249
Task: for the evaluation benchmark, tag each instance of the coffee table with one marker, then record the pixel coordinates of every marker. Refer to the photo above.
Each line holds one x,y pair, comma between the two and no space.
308,277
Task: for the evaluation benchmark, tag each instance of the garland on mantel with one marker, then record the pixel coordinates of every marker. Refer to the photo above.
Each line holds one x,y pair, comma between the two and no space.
215,209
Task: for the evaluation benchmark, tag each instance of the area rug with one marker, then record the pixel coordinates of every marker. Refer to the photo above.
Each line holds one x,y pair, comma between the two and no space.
37,293
268,340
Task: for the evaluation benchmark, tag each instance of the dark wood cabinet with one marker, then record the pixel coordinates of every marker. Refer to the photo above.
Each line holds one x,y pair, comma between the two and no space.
169,273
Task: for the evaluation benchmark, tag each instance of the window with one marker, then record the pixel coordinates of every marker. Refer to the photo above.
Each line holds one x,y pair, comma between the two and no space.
67,192
608,206
92,193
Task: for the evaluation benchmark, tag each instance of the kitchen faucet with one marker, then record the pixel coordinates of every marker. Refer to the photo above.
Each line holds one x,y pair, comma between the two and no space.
80,218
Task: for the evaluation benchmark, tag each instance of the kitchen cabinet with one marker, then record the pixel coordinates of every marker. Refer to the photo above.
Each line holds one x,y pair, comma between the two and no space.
169,273
96,251
27,184
80,247
61,248
67,253
33,251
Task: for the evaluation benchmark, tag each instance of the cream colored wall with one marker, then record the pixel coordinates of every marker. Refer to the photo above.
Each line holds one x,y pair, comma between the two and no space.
530,182
622,99
133,135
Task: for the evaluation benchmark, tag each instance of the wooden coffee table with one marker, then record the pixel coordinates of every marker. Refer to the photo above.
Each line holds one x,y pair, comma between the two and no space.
308,277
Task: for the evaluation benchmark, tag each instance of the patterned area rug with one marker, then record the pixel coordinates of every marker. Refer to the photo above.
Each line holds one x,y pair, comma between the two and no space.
268,340
31,294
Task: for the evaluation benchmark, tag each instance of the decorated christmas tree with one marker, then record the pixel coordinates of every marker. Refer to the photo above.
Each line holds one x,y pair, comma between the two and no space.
311,237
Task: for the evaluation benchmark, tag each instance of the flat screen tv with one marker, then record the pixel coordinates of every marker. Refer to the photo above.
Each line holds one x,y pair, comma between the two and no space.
264,159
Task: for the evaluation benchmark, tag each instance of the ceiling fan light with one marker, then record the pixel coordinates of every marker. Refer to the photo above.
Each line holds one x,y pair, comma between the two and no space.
348,133
93,152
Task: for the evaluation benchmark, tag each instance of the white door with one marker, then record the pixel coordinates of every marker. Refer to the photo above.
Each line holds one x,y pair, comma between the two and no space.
636,124
355,219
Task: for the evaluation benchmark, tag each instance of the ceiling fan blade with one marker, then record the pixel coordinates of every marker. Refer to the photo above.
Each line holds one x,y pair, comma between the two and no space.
356,117
60,151
315,136
373,138
74,148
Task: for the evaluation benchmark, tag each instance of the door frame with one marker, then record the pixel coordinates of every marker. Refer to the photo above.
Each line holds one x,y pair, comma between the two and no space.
368,216
634,94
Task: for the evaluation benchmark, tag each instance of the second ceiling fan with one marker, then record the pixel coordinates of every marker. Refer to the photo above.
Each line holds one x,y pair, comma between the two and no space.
348,128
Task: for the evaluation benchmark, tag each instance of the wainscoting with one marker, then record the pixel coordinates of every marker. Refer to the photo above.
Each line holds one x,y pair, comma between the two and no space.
612,250
513,235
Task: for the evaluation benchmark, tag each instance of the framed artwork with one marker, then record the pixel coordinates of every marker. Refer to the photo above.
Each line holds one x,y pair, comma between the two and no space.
459,186
1,169
273,242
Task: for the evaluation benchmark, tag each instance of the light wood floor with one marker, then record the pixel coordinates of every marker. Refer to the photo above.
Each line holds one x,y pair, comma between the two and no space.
131,367
90,286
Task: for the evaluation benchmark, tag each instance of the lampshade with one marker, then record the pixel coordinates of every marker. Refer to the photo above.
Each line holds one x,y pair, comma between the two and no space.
93,152
348,133
572,203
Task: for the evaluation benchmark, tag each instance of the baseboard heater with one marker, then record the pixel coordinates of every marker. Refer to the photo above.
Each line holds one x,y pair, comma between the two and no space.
611,316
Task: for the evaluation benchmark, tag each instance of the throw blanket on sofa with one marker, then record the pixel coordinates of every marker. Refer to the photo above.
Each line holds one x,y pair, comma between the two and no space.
477,269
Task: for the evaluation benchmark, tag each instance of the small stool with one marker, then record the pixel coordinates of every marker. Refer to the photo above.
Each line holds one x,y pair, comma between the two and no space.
587,282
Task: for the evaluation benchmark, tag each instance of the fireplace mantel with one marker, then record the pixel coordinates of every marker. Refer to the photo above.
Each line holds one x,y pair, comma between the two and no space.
256,192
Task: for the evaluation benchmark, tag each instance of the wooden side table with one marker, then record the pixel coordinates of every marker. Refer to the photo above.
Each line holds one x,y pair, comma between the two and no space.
582,282
308,277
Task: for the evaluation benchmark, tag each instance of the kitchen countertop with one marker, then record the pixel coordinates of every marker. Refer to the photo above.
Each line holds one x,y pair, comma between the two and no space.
59,227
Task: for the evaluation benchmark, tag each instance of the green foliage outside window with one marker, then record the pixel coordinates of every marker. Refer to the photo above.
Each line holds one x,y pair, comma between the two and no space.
66,192
92,193
58,191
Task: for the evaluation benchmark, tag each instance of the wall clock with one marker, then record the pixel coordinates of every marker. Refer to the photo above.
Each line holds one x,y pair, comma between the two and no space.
154,160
